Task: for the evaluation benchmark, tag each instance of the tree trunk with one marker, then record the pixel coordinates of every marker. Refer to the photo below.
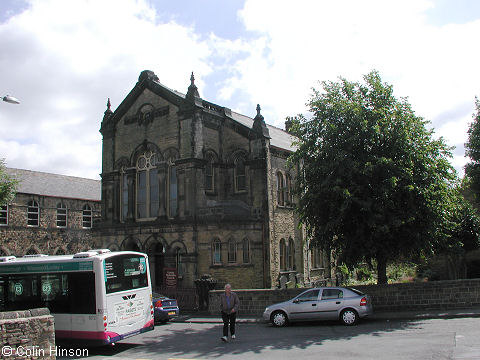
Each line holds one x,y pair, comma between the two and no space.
381,270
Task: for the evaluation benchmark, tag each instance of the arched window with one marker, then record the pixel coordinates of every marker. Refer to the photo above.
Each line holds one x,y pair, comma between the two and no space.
216,252
33,213
172,189
246,251
317,258
61,215
147,186
87,217
179,262
124,194
232,251
280,190
240,175
283,253
209,175
289,190
291,255
4,215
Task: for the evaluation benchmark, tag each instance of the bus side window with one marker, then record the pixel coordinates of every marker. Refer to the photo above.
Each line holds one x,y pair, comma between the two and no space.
54,292
22,292
82,293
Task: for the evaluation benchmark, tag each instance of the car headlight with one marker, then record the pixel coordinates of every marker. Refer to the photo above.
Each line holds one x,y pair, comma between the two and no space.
266,309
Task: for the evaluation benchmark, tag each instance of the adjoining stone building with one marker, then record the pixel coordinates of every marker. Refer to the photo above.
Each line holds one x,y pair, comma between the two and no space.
50,214
201,189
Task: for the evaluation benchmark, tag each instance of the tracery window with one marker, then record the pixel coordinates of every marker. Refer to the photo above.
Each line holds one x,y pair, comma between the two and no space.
209,175
124,195
246,251
147,186
172,186
280,190
232,251
216,252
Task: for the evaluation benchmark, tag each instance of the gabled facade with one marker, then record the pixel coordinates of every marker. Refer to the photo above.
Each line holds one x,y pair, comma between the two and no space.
200,189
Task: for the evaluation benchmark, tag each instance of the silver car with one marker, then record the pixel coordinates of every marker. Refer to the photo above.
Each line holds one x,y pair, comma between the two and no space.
326,303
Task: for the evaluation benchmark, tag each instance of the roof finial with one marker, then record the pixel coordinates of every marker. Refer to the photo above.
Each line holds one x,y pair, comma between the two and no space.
258,109
192,79
108,104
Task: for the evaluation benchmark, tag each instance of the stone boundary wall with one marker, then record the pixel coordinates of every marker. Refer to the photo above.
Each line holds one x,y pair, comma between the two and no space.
440,295
27,334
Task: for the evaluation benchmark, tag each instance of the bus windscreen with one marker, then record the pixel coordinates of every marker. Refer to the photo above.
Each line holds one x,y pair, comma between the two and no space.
125,272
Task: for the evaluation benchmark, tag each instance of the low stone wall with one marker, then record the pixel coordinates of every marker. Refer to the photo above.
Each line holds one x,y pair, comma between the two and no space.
451,294
27,334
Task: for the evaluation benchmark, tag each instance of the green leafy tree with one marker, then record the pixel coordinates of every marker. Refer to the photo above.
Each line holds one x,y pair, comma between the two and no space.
375,184
7,185
472,150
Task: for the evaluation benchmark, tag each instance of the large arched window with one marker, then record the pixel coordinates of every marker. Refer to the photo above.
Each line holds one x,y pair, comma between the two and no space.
232,251
172,195
123,194
61,215
283,253
216,252
179,262
87,217
147,186
240,174
280,190
33,213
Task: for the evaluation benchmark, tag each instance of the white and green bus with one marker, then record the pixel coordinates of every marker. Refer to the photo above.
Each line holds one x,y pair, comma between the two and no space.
97,297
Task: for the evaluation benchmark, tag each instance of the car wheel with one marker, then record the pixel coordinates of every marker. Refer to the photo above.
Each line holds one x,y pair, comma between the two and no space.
279,318
349,317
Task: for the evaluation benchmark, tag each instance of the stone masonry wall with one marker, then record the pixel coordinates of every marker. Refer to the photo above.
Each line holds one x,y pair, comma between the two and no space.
441,295
27,334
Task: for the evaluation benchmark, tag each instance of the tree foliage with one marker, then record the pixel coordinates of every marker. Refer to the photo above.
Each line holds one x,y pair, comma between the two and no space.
472,150
7,185
375,184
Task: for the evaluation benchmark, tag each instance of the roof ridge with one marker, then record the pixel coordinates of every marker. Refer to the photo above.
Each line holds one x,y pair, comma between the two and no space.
50,173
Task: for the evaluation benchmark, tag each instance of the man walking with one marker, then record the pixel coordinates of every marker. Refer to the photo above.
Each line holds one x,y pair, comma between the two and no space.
229,303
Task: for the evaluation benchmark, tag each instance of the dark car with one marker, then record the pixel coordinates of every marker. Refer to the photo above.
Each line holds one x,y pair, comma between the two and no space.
164,308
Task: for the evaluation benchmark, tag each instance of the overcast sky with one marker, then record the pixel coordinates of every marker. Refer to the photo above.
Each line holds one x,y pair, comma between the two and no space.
64,58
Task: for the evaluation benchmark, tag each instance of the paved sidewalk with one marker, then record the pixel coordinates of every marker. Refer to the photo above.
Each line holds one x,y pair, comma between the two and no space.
380,315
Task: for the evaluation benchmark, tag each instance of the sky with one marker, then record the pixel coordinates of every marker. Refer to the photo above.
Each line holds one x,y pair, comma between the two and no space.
64,58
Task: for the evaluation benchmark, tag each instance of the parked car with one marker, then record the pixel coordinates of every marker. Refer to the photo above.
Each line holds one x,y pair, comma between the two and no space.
327,303
164,308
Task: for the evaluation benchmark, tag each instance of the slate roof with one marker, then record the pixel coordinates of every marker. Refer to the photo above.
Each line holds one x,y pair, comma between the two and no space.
62,186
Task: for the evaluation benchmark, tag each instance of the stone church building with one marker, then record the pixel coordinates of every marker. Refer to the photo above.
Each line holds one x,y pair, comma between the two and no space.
201,189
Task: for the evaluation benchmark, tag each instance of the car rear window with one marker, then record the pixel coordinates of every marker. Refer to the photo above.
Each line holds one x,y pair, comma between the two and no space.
358,292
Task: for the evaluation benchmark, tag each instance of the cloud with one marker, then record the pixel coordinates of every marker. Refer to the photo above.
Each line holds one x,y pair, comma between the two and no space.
63,64
302,42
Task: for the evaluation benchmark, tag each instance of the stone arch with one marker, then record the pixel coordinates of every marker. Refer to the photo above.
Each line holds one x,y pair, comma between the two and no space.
122,162
4,251
113,247
144,147
33,250
171,154
132,244
61,250
155,247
